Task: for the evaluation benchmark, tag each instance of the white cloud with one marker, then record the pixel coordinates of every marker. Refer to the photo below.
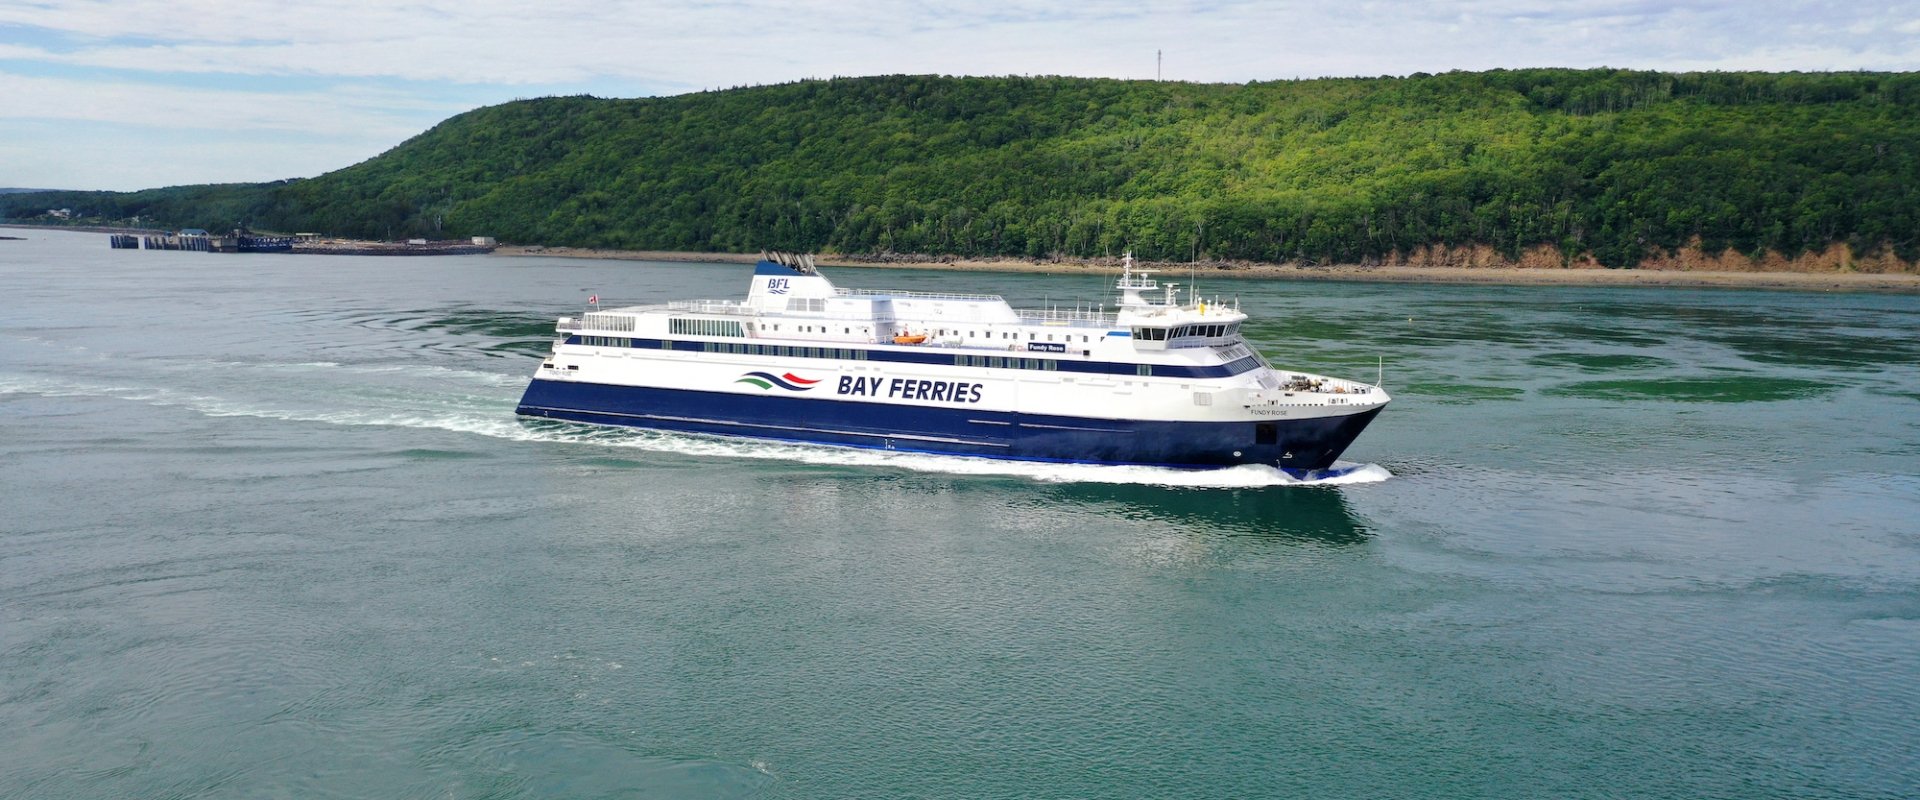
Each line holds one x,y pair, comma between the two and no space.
678,44
344,112
428,52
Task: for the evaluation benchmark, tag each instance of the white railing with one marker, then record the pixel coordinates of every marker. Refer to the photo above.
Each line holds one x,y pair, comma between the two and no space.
730,307
988,298
1071,317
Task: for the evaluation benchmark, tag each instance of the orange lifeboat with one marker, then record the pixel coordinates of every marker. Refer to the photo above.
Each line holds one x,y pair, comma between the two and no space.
910,338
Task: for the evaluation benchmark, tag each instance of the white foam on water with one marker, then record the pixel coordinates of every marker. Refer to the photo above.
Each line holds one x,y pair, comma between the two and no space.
494,418
469,375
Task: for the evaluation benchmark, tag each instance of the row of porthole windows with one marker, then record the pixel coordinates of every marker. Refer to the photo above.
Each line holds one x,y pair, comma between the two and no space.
1015,335
999,362
785,351
1235,367
810,329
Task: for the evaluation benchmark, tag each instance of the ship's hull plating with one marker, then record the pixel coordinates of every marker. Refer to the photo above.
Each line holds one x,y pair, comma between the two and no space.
1294,444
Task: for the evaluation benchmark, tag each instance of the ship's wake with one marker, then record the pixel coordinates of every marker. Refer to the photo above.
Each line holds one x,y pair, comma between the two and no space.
474,403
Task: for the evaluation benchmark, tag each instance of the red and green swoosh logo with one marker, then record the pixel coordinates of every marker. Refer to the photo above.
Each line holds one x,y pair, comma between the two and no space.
788,381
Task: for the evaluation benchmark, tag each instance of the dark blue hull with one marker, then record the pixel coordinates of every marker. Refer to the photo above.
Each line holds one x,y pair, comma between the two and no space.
1293,444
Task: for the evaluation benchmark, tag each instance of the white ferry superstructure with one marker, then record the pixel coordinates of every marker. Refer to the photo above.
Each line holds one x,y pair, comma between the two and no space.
1153,382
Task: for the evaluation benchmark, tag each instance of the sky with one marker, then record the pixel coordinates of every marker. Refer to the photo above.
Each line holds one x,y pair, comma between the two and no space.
132,94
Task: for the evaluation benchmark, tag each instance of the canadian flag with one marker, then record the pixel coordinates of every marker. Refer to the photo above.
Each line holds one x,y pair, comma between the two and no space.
594,300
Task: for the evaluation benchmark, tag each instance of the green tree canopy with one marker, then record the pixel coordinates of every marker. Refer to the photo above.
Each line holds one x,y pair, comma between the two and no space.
1611,163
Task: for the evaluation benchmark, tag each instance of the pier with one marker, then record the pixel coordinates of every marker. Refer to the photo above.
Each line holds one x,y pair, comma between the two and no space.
171,241
240,242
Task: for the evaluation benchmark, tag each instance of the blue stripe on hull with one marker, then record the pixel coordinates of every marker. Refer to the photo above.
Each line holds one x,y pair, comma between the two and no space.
1298,444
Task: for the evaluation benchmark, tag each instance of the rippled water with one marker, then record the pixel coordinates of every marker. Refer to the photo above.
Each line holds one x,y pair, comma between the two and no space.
271,529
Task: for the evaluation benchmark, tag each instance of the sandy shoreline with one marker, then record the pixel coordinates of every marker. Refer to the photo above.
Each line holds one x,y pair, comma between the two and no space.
1516,276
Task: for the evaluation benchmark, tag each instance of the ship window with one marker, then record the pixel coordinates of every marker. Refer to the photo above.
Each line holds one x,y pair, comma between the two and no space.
1143,369
705,327
1243,365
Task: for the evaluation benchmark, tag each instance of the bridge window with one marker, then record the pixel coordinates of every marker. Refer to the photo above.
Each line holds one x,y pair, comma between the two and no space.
1243,365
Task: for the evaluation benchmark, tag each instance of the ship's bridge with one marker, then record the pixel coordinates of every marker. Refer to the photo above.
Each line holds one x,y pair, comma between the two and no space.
1169,324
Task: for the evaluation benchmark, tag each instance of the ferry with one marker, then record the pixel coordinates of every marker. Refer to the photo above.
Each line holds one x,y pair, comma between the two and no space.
1154,381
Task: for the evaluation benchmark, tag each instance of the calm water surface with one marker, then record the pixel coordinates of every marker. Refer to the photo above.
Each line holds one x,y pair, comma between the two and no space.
268,528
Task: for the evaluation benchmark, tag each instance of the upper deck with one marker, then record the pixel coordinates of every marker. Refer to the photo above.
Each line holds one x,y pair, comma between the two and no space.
789,300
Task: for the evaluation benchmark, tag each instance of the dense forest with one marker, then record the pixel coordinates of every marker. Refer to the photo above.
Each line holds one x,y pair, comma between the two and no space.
1608,164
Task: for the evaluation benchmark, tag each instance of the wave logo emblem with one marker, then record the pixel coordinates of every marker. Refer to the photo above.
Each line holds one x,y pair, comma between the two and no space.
788,381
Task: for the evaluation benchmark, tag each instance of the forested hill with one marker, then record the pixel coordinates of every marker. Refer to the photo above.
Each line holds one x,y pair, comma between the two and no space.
1614,165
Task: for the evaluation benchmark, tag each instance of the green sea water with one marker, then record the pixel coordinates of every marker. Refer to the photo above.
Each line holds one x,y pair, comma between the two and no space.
269,528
